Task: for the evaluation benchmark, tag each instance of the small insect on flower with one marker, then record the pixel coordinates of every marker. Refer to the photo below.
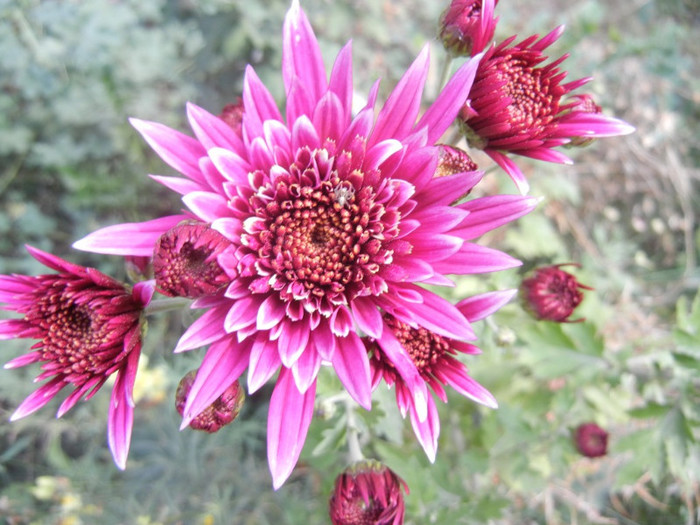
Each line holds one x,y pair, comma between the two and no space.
343,193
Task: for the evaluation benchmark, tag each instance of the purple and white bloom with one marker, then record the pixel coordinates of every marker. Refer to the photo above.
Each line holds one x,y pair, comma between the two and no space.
89,328
335,219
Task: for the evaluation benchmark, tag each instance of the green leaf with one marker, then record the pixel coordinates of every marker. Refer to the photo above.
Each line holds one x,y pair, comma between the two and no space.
651,410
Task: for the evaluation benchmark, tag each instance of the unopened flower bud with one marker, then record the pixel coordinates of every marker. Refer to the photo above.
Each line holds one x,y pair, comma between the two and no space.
467,26
185,261
552,294
232,114
591,440
220,413
368,492
583,104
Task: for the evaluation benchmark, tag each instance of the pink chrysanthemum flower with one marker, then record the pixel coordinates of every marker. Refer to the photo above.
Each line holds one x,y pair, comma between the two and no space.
333,220
467,26
515,107
368,493
89,327
435,357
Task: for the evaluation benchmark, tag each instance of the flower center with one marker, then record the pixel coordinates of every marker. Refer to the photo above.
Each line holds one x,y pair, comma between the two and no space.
76,332
534,104
319,232
425,347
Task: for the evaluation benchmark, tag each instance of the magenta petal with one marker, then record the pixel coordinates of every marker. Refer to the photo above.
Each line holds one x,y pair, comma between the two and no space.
399,113
212,131
487,213
292,341
511,168
407,370
481,306
178,184
341,82
270,313
440,316
428,430
37,399
367,316
465,385
223,363
230,165
177,149
301,56
120,423
23,360
351,363
288,422
445,190
473,258
305,369
264,362
209,327
131,238
206,205
444,110
259,104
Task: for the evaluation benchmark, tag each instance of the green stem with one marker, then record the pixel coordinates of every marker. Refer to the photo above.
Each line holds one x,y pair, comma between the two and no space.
167,305
354,450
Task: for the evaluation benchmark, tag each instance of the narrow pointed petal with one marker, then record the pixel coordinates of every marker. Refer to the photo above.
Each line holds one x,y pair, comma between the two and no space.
23,360
341,82
444,110
305,369
480,306
120,423
428,430
132,238
37,399
367,316
351,363
440,316
208,328
259,104
301,56
511,168
473,258
264,362
399,113
465,385
292,341
488,213
288,422
178,150
212,131
223,363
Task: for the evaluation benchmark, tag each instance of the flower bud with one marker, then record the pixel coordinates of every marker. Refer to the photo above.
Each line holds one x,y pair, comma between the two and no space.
552,294
368,492
220,413
467,26
232,114
185,261
591,440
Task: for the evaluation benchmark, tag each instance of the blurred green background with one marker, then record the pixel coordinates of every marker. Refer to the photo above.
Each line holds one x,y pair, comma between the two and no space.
72,72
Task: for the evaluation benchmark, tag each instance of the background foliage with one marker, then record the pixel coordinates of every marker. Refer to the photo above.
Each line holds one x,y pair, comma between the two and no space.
72,72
